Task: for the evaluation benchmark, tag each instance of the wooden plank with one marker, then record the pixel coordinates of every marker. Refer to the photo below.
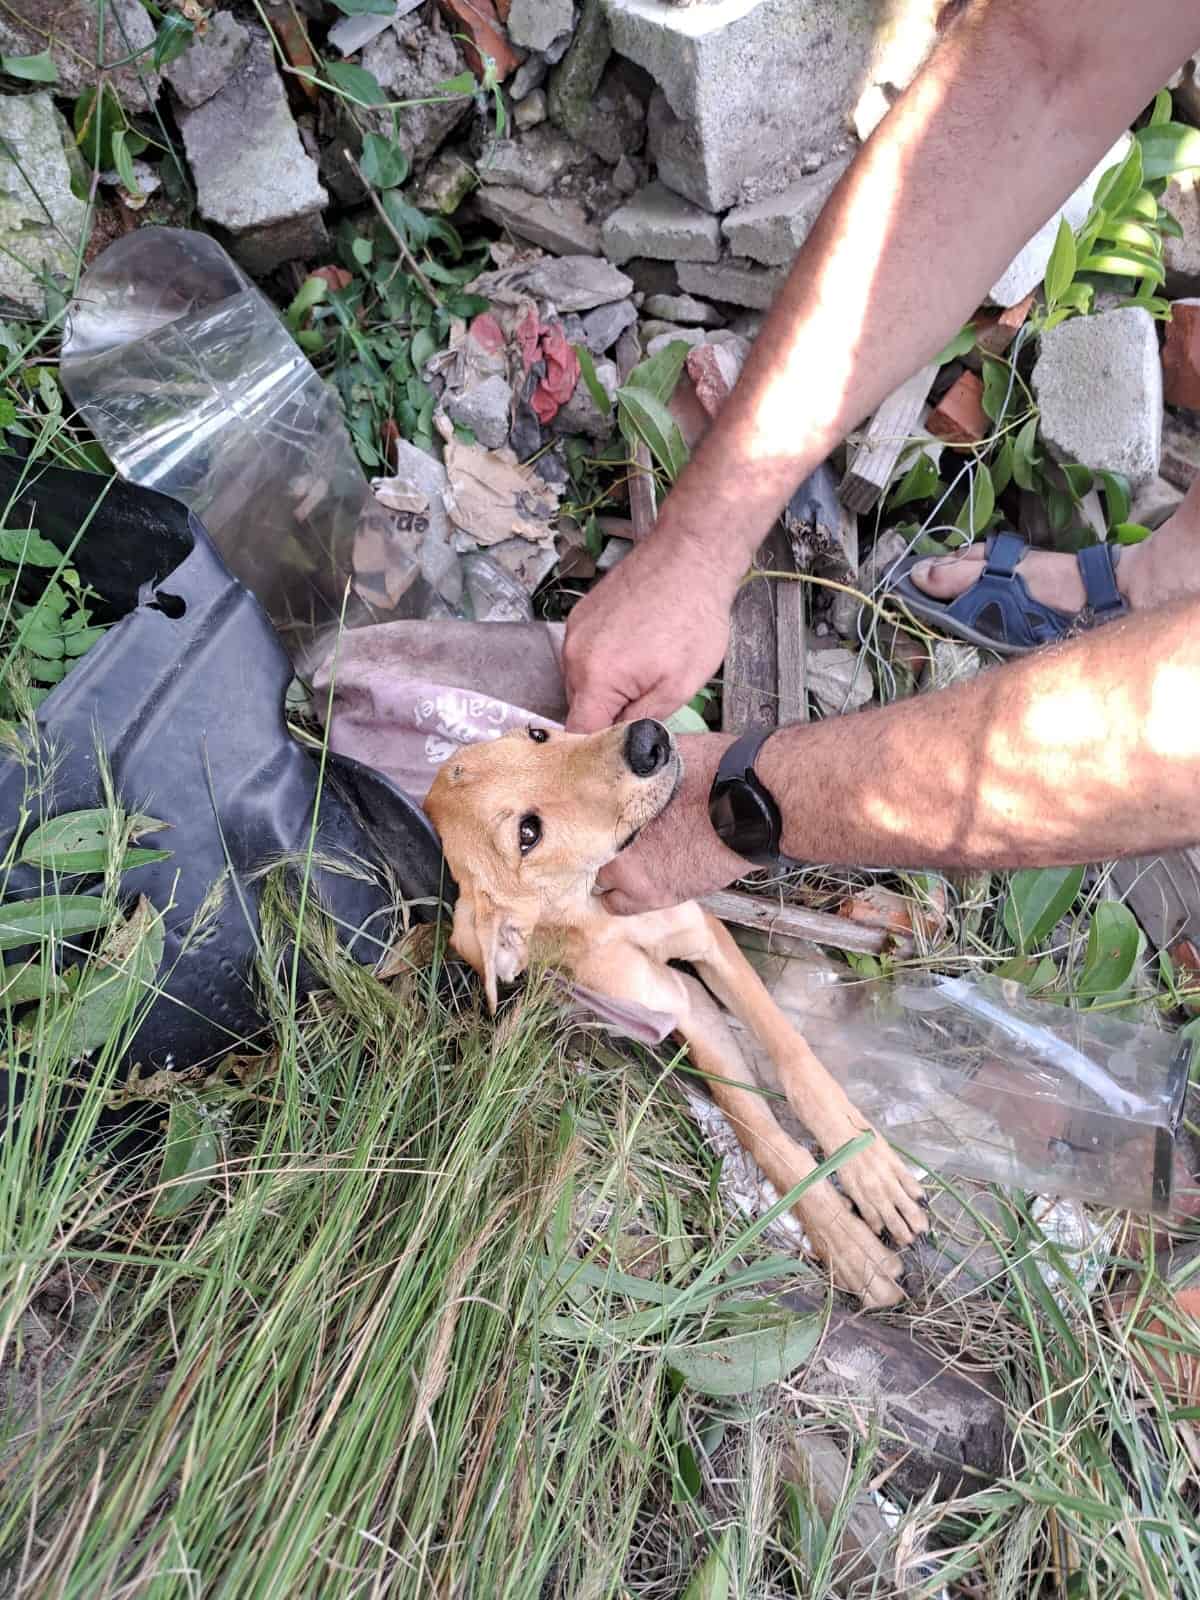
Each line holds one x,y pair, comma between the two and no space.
791,652
793,929
884,437
751,681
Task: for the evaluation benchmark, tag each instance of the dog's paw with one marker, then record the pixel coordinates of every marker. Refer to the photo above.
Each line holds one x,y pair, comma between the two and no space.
881,1186
857,1260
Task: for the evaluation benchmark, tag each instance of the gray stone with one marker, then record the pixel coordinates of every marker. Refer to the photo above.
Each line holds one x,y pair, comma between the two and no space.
531,111
580,414
534,162
652,277
572,283
210,60
575,80
1187,91
530,75
667,335
625,176
614,552
252,175
560,226
613,124
772,230
41,222
409,60
485,410
950,661
1028,267
1155,502
1181,257
536,24
751,86
70,30
838,680
658,224
1099,385
605,325
683,309
734,281
446,183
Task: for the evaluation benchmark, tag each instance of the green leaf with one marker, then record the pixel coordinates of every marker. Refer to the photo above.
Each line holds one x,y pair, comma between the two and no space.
50,916
79,643
464,83
97,117
175,34
1025,457
423,347
1038,898
644,417
1135,234
962,341
711,1579
1160,111
1061,268
659,373
747,1362
685,720
997,385
310,293
688,1481
1130,532
1167,223
78,841
26,547
190,1159
1119,185
1032,971
355,83
1113,949
1117,496
920,482
370,8
33,69
384,163
1168,148
979,504
595,388
114,986
123,162
1122,261
1002,466
30,981
1079,479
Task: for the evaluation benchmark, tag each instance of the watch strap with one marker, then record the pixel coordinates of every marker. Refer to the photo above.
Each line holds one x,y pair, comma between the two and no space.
737,767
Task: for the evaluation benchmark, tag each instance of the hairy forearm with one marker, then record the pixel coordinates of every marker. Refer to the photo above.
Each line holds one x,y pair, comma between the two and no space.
1016,106
1085,752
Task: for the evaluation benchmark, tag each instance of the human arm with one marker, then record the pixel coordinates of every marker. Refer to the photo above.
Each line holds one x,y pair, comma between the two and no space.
1016,106
1084,752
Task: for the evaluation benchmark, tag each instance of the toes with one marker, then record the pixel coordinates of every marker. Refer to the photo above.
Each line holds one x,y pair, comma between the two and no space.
946,577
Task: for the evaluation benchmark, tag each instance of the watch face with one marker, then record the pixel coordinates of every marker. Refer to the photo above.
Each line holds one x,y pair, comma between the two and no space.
742,819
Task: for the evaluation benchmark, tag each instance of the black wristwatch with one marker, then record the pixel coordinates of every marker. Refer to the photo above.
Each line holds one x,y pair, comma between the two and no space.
740,806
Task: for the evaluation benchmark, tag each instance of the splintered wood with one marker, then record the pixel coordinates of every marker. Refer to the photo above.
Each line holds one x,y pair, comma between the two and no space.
888,431
763,684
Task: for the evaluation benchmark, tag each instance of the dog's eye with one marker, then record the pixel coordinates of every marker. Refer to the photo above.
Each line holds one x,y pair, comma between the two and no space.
529,832
538,735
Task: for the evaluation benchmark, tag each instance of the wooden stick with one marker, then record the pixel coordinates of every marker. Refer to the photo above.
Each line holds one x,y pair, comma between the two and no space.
401,243
786,927
883,439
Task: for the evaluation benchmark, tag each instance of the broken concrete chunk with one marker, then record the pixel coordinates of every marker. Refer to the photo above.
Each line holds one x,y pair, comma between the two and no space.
537,24
682,309
409,61
838,680
533,162
1028,268
605,325
349,34
771,231
210,60
572,283
735,281
252,175
613,126
558,225
71,30
530,75
657,224
580,414
1099,385
692,337
576,78
447,182
1181,257
532,111
41,222
484,410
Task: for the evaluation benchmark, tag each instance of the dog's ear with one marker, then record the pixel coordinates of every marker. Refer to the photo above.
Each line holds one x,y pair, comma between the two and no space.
493,939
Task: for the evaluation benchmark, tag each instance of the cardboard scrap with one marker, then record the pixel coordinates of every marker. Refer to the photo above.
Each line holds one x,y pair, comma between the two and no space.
492,497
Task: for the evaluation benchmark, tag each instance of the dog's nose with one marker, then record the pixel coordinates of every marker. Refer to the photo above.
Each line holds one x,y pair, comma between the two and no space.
647,747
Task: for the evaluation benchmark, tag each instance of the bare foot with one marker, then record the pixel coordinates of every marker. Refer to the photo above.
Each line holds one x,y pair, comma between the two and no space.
1049,575
858,1261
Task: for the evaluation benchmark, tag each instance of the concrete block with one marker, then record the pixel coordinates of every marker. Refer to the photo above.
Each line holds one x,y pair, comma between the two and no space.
41,221
408,61
733,281
658,224
576,78
683,309
749,87
772,230
536,24
209,61
1028,267
1181,257
560,226
253,177
534,162
1099,385
71,31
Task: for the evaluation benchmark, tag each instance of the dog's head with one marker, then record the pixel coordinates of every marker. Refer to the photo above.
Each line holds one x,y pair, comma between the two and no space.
527,821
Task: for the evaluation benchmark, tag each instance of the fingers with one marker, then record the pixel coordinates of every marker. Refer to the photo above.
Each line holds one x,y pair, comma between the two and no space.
593,709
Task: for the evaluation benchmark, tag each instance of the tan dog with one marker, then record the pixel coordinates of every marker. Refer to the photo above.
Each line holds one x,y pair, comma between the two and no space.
526,823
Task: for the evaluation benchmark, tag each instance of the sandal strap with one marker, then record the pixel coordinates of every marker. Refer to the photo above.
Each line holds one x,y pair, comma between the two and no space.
1005,552
1097,568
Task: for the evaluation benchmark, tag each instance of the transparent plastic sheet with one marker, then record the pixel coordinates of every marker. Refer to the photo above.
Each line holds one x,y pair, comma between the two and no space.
973,1077
194,386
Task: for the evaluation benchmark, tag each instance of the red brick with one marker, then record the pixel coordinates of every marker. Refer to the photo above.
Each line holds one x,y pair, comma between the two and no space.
1181,356
478,19
994,333
959,417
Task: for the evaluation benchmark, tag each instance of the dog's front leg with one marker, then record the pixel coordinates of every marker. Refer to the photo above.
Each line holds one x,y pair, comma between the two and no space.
876,1179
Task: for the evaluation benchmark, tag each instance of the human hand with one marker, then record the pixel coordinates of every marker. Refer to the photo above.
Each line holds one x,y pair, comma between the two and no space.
651,633
677,856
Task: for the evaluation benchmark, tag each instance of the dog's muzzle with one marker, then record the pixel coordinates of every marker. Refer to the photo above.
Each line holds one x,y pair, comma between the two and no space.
648,747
